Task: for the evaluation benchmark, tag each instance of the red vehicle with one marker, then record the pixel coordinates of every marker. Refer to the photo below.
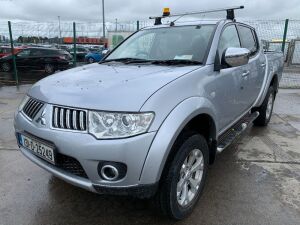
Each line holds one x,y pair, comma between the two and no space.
4,51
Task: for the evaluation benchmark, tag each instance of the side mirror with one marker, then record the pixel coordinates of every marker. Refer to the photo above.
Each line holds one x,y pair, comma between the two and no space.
104,52
234,57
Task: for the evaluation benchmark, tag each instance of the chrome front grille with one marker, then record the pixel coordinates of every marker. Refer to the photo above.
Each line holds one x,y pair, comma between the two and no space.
32,107
69,119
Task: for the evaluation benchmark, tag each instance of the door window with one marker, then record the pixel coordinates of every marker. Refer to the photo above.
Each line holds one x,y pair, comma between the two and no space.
36,52
229,39
247,39
24,53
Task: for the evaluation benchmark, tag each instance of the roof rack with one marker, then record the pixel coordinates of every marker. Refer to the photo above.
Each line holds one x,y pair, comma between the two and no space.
166,13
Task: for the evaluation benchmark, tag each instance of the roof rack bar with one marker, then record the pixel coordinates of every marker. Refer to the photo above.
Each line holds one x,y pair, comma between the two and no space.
229,10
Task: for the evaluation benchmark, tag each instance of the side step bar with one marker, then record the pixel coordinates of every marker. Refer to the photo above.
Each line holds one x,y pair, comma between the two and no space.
235,131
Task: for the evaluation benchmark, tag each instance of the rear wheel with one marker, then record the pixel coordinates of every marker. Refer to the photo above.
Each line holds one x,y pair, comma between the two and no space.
49,69
266,109
6,67
184,180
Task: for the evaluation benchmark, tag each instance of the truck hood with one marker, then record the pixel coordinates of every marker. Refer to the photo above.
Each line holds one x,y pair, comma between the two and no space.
111,87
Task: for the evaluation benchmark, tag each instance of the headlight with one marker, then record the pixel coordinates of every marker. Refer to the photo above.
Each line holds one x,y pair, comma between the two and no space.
108,125
23,103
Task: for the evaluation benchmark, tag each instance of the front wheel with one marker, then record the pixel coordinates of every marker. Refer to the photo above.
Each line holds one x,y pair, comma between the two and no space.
184,179
266,109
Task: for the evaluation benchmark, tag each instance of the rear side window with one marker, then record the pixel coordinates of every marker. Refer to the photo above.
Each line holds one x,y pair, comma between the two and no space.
247,39
36,52
5,50
63,52
24,53
50,52
229,39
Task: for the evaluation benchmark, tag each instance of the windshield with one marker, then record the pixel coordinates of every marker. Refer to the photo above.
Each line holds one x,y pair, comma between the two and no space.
169,43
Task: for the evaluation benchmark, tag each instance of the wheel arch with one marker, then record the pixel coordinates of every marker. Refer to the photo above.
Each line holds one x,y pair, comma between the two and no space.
204,124
200,120
275,82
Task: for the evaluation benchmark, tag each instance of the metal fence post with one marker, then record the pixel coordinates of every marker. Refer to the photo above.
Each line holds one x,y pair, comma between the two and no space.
74,45
137,25
284,34
12,53
290,52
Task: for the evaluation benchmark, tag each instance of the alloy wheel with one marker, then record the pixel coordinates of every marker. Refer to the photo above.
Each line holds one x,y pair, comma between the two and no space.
49,68
191,174
5,67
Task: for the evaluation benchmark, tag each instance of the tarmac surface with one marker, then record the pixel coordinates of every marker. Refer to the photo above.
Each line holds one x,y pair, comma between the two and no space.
255,181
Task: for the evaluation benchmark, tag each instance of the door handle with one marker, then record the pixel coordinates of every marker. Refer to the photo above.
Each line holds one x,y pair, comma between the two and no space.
263,65
246,73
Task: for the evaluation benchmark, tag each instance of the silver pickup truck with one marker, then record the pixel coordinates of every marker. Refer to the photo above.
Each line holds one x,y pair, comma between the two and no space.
149,119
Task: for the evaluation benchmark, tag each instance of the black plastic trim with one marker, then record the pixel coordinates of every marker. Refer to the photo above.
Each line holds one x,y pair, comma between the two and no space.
140,191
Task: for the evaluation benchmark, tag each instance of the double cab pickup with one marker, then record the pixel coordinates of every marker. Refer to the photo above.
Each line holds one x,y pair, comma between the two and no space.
152,115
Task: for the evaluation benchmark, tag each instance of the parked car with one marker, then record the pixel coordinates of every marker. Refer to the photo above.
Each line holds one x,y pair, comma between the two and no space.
80,53
149,119
94,56
96,48
33,58
64,47
4,51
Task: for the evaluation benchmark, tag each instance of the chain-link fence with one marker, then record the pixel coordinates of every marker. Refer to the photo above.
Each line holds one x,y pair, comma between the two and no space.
87,38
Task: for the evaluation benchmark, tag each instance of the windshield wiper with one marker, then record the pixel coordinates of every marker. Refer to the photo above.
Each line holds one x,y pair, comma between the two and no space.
177,62
166,62
125,60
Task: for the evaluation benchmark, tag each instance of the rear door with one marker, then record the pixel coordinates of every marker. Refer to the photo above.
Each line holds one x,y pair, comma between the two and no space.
36,56
229,87
256,66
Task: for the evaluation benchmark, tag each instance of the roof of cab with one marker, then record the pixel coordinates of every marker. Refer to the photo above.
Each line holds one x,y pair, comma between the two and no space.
194,23
186,23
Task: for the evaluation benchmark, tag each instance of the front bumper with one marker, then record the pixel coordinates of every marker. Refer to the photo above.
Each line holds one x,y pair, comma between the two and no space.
89,152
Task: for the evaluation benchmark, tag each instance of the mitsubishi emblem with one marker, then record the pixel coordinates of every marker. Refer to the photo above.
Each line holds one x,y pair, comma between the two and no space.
41,118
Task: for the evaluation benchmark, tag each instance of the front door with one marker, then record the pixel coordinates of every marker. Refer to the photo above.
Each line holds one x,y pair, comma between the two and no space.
22,58
230,82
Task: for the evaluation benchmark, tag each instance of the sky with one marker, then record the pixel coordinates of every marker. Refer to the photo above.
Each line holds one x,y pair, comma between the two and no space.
127,10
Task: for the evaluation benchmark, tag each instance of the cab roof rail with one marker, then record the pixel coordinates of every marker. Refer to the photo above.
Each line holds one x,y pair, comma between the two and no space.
166,13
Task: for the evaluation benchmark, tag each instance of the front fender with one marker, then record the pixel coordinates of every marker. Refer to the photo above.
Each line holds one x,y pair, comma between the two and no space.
168,132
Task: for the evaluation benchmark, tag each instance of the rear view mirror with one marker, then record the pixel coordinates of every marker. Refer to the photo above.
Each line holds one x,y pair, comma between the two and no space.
234,57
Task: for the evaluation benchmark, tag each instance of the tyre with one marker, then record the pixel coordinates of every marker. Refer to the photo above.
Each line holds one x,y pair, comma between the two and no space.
6,67
91,60
49,69
266,109
184,179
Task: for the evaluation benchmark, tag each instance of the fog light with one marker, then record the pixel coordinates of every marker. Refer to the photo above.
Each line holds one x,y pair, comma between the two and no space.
109,172
112,171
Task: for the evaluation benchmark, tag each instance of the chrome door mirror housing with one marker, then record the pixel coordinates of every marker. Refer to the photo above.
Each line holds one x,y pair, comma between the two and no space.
234,57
